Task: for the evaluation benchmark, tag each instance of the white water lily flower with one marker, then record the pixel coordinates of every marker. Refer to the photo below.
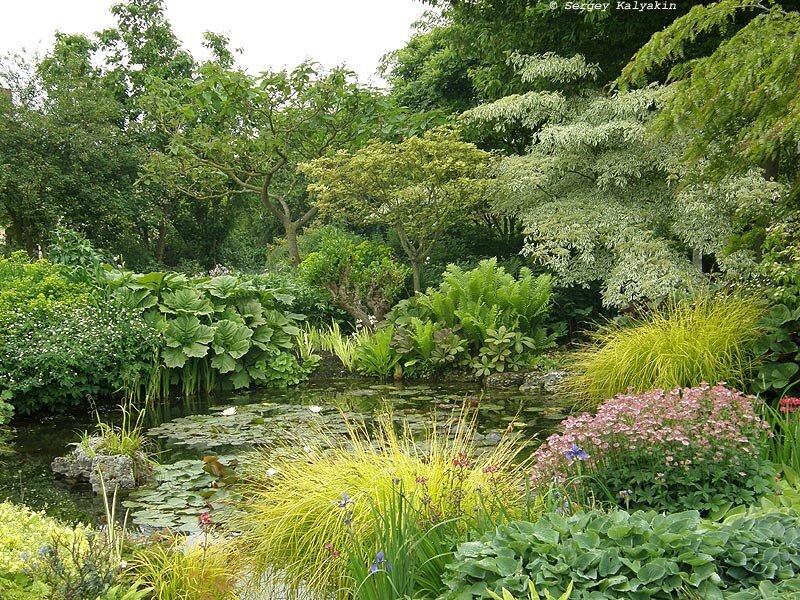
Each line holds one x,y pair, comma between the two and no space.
229,412
315,409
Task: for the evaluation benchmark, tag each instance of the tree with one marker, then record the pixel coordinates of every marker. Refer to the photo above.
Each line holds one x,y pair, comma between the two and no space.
737,106
591,189
231,133
63,155
741,101
460,58
419,187
361,277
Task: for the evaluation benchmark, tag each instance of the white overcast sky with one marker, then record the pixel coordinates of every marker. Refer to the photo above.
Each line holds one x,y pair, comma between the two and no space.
272,33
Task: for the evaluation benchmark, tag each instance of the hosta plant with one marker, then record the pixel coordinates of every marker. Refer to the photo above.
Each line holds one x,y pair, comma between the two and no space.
693,448
639,555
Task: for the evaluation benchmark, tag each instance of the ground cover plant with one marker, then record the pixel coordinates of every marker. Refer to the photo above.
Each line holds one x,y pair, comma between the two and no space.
634,555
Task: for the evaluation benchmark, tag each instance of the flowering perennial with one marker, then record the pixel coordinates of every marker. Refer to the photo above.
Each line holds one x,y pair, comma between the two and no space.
789,405
667,440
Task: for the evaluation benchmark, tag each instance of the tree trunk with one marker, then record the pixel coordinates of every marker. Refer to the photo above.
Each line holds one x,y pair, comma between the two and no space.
161,244
697,259
291,243
416,270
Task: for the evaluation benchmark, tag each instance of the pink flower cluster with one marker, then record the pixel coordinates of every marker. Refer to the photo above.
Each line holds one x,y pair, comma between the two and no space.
676,427
790,405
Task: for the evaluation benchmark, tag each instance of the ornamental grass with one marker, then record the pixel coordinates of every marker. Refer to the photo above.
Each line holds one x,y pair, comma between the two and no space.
302,508
710,339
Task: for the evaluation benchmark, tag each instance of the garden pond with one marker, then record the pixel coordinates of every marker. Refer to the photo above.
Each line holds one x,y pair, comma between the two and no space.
199,443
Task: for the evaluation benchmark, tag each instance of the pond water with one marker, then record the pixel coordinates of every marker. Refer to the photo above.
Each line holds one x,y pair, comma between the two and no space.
183,433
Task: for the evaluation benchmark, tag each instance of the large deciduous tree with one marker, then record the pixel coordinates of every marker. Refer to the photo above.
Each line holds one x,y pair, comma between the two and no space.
600,197
419,187
741,101
63,155
233,133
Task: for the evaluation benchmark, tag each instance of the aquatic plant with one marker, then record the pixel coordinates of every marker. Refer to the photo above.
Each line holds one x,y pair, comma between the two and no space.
710,339
693,448
297,503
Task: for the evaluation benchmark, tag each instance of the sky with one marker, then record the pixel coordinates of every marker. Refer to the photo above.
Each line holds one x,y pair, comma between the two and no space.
272,33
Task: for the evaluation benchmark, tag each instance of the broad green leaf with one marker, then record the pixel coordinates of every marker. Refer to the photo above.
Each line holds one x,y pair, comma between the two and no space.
186,302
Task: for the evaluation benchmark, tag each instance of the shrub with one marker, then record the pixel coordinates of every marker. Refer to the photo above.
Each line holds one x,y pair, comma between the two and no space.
641,555
696,448
302,297
26,539
361,278
484,318
222,331
302,508
40,286
779,350
55,354
711,339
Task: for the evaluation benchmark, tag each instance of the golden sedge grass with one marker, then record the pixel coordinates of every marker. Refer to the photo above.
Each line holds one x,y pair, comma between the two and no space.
293,515
708,340
176,571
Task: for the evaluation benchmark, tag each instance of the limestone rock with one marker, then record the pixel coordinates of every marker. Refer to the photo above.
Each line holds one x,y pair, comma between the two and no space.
505,381
538,382
112,471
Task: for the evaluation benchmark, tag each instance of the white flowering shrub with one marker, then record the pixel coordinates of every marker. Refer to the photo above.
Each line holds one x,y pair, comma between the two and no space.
56,359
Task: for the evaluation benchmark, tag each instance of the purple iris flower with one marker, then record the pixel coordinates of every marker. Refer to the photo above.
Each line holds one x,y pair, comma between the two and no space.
344,502
576,453
379,560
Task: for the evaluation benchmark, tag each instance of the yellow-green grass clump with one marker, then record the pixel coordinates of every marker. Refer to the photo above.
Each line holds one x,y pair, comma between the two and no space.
707,340
300,511
179,571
